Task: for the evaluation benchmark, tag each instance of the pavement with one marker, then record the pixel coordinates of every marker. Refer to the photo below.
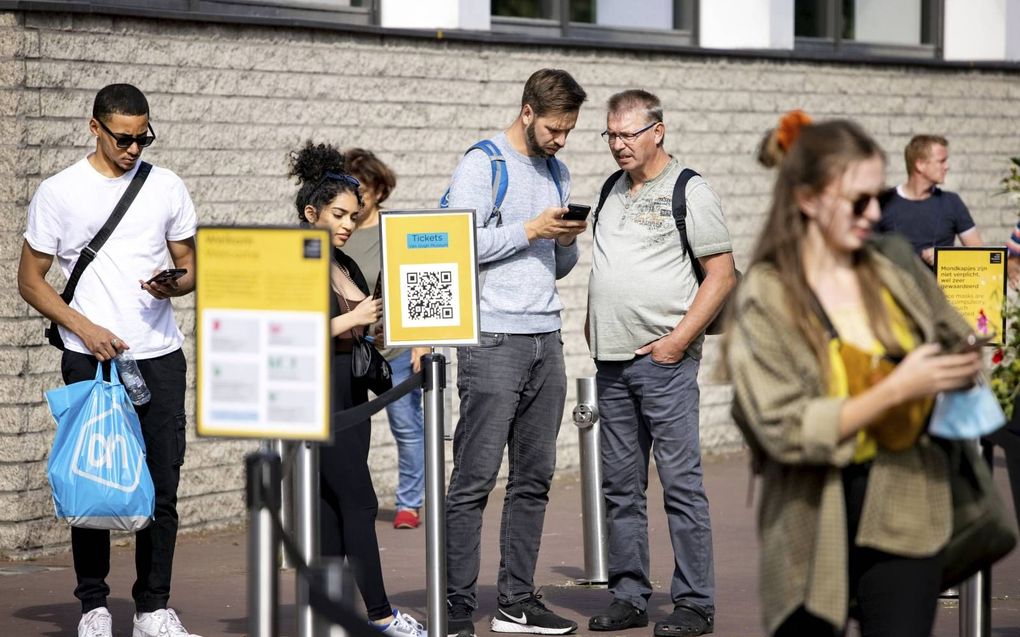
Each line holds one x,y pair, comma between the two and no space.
209,585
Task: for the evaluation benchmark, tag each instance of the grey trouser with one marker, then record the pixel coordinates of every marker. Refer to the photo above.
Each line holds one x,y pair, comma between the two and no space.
644,405
512,388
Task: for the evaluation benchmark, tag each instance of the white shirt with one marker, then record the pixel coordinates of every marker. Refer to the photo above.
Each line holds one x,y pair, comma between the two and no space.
65,214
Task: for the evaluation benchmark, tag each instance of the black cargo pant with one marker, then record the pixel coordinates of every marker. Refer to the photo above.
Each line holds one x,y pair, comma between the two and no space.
163,423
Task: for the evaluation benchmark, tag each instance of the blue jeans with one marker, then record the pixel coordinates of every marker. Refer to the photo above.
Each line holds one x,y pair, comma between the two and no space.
512,388
647,406
408,426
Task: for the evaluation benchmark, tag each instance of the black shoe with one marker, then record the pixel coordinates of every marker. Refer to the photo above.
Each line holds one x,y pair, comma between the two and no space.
686,620
530,616
458,621
619,616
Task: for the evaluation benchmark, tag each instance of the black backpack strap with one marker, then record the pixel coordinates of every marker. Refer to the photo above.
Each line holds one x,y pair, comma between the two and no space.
606,189
89,252
680,218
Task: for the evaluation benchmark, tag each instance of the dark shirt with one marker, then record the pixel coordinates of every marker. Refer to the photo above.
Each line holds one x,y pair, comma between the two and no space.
931,222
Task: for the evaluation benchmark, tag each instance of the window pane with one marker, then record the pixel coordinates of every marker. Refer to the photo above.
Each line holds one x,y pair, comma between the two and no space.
812,19
648,14
582,11
542,9
886,21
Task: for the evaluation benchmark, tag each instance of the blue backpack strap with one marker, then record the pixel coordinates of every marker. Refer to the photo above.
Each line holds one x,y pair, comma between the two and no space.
497,164
554,171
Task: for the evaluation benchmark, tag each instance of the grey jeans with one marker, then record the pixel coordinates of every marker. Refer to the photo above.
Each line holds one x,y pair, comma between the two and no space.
644,405
512,388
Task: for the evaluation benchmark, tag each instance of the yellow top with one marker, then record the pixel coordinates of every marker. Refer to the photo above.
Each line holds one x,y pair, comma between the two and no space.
856,361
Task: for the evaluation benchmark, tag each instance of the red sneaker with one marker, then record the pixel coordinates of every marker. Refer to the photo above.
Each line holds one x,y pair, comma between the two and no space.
406,519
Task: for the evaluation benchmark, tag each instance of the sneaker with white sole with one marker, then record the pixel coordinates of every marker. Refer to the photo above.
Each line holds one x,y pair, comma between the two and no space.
530,616
161,623
96,623
402,625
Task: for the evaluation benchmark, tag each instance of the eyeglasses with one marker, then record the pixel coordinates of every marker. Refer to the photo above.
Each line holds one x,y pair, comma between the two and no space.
343,178
860,205
125,141
627,138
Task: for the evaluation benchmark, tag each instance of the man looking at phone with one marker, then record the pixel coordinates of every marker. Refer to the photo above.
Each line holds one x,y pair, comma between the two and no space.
117,307
512,386
646,321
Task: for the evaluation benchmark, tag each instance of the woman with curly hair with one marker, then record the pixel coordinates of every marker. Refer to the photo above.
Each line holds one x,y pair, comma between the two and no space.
835,354
329,198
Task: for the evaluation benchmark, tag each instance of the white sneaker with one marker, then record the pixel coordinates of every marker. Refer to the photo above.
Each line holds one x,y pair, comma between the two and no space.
161,623
96,623
403,625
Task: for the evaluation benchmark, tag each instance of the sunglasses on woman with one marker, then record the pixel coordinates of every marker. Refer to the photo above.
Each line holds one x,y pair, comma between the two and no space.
860,205
125,141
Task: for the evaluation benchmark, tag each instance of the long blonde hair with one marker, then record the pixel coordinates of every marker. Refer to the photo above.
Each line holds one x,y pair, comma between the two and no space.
821,154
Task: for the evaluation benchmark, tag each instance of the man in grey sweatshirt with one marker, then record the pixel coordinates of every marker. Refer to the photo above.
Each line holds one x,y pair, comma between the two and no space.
512,386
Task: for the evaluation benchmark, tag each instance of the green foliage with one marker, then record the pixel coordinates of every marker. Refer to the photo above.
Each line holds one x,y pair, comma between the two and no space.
1005,377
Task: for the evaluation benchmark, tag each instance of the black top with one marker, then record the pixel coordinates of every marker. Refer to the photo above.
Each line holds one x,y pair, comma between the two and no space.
359,279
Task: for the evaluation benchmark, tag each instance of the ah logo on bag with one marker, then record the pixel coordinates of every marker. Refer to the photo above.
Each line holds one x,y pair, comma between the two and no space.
103,456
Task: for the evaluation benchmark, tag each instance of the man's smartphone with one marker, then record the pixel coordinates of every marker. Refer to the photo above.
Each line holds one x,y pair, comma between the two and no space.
577,212
168,275
971,343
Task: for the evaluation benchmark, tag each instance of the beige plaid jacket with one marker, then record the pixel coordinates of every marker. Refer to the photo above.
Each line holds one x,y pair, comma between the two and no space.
791,426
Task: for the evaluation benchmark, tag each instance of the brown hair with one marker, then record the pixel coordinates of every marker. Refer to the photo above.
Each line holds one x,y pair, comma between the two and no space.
552,91
919,148
820,155
370,171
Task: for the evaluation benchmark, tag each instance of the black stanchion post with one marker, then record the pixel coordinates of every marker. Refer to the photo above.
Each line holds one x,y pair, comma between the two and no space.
434,366
263,500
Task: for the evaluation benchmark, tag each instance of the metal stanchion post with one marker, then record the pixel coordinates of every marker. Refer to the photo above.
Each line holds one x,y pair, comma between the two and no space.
434,366
306,524
339,587
263,499
447,395
283,448
593,505
976,593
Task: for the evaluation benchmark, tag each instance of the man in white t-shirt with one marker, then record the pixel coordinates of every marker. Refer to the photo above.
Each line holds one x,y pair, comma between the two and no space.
114,308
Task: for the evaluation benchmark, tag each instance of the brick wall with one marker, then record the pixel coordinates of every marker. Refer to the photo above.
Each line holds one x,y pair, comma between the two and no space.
229,102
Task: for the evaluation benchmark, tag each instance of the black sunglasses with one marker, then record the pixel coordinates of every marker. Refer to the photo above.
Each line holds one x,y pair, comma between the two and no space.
125,141
860,205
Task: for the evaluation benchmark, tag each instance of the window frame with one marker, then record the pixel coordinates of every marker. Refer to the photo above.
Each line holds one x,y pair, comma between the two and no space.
561,26
932,18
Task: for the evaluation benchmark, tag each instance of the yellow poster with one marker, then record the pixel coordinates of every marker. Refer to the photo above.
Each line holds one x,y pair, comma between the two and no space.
974,280
262,323
430,286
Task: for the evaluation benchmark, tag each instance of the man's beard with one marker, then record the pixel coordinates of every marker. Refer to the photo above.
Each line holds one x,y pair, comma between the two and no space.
533,147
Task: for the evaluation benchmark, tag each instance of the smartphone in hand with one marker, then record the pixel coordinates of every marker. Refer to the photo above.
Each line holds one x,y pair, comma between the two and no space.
168,275
971,343
576,212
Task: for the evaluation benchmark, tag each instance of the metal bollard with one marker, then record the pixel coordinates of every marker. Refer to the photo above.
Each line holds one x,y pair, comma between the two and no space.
593,505
434,366
331,576
285,449
306,524
976,593
263,500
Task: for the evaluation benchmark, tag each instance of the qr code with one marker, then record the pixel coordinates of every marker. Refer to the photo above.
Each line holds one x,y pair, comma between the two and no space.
430,292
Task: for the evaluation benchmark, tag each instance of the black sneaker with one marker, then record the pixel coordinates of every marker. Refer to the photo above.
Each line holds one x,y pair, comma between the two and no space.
530,616
458,621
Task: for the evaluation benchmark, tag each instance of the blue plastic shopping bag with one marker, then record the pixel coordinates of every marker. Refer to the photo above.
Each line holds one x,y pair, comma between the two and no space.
97,467
966,414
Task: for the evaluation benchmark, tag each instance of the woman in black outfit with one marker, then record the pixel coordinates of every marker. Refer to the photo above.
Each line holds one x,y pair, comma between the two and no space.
329,199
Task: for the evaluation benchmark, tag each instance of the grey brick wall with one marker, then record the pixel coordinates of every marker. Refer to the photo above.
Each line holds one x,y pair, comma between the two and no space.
228,103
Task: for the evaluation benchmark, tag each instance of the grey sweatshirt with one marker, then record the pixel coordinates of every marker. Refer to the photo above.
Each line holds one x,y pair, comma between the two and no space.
519,291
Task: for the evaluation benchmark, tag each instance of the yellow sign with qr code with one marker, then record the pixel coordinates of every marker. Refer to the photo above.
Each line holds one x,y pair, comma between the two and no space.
974,281
430,281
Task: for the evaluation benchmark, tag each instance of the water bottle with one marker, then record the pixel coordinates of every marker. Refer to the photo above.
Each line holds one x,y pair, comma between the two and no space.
130,375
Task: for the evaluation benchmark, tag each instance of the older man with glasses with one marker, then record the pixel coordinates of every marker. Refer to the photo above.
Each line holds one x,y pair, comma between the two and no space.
647,315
